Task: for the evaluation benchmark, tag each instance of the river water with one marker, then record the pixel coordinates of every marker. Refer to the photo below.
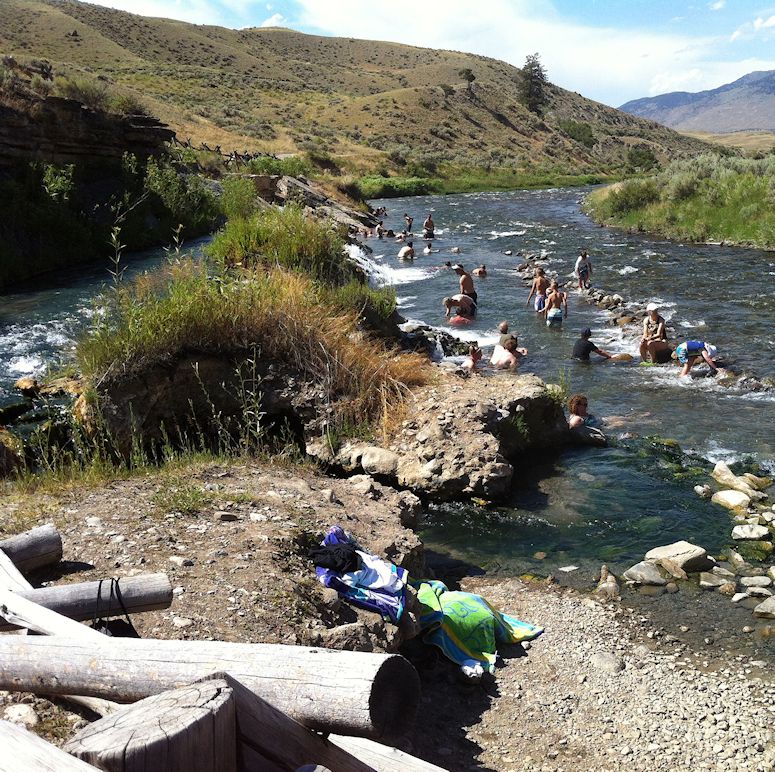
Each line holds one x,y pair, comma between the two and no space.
588,505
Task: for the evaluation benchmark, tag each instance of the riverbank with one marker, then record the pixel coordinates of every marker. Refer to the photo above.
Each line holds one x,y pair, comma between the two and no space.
710,199
602,687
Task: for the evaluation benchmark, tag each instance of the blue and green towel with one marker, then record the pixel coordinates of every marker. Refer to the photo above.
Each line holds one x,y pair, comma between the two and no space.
465,626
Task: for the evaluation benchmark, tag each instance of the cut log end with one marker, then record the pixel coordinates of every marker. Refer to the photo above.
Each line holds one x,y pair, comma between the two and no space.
394,698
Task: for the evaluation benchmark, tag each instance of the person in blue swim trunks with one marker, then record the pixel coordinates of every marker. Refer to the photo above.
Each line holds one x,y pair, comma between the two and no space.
691,351
539,287
556,308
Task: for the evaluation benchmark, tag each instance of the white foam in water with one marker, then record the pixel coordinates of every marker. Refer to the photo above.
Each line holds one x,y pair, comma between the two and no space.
26,365
381,275
627,269
504,234
689,325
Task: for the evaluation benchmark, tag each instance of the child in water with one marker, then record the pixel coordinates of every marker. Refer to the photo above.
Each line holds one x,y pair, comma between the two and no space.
473,358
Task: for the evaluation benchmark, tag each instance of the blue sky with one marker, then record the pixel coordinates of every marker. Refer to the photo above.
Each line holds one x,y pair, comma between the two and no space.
608,50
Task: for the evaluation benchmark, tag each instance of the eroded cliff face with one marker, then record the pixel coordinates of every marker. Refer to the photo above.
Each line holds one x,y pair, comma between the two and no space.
63,131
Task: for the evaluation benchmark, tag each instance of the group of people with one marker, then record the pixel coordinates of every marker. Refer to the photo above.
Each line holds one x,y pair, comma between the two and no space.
505,356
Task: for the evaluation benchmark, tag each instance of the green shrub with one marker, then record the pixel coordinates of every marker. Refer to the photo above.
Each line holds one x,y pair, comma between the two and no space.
238,199
581,132
285,238
633,194
393,187
127,103
641,158
295,166
92,93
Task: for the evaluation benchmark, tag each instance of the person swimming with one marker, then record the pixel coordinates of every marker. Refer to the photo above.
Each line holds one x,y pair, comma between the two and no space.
480,272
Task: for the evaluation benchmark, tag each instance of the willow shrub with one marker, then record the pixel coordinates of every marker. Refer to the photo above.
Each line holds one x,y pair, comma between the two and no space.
283,315
284,238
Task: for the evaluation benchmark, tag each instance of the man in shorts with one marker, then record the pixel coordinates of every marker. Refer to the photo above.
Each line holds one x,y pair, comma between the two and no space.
556,308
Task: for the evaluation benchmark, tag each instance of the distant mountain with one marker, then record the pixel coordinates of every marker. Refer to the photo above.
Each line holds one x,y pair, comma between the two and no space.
372,103
748,104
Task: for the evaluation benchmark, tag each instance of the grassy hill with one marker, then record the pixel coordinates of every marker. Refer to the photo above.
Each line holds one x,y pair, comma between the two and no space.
374,106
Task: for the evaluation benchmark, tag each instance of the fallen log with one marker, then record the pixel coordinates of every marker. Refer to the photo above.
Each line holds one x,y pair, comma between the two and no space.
345,692
23,750
191,729
382,758
35,548
269,739
87,600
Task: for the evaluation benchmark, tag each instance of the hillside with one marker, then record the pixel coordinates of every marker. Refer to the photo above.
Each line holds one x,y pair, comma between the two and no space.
747,104
369,102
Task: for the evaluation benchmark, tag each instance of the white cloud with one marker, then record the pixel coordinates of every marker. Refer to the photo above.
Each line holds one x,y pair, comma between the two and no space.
275,20
760,23
718,5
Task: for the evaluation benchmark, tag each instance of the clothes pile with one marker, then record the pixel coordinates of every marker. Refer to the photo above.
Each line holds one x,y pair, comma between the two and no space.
464,626
358,576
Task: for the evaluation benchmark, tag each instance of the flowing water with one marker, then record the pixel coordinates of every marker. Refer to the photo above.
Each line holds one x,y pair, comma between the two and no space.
588,505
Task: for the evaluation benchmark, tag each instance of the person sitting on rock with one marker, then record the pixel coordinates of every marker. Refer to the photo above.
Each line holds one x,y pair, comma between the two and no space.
463,304
472,359
691,351
653,343
583,347
480,272
538,288
556,308
406,252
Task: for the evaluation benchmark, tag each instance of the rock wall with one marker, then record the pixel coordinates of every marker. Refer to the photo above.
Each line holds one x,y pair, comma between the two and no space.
62,131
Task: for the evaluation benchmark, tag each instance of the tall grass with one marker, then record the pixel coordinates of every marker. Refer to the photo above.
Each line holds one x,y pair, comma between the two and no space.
284,238
284,315
708,198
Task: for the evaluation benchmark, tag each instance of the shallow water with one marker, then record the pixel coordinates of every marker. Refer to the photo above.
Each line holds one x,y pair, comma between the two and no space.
610,504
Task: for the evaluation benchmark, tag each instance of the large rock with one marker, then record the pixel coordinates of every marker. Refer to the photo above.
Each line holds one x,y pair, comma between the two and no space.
766,609
751,533
760,483
644,573
378,461
710,581
732,499
723,475
688,557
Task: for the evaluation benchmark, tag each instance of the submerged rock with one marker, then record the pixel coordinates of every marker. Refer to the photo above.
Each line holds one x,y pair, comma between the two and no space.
766,609
644,573
710,581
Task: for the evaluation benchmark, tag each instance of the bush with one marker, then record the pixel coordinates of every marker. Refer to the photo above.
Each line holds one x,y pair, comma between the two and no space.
633,194
581,132
641,158
393,187
295,166
284,238
128,104
92,93
238,199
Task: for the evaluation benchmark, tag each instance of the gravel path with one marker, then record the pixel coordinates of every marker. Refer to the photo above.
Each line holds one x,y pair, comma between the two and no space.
591,695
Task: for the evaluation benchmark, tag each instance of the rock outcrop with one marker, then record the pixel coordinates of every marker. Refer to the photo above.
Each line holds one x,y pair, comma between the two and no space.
64,131
460,438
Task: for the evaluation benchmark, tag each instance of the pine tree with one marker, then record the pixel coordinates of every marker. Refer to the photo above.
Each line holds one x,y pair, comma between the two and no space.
533,90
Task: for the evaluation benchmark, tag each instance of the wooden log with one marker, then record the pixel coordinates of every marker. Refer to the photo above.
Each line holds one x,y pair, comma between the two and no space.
10,576
269,739
23,750
191,729
382,758
345,692
145,592
35,548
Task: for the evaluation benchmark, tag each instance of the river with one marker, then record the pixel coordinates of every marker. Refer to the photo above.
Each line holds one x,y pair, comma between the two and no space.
588,505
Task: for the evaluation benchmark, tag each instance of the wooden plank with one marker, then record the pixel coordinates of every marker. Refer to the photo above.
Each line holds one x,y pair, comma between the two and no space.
191,729
84,601
35,548
345,692
23,750
382,758
10,576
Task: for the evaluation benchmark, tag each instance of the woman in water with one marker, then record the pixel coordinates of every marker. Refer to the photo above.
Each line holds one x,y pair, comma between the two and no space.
585,428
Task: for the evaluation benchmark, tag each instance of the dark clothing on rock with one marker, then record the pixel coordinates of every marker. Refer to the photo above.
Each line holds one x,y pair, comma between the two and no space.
341,558
582,348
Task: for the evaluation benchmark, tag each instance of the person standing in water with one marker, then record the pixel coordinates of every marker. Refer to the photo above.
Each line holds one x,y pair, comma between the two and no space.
653,344
556,305
466,283
406,252
583,269
538,288
408,220
428,227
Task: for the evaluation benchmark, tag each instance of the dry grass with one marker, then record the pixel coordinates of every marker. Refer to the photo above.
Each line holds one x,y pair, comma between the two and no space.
748,141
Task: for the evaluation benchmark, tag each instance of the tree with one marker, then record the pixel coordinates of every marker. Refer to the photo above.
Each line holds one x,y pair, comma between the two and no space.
533,90
468,76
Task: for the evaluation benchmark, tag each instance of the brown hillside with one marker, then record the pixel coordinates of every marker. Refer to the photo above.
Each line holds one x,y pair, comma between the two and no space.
283,91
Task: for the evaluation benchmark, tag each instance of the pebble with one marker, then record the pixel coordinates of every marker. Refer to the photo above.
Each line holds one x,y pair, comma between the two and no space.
179,560
21,714
182,622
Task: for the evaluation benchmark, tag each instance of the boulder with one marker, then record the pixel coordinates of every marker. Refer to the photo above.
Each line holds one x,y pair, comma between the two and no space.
28,386
703,491
710,581
732,499
766,609
760,483
755,581
672,568
688,557
644,573
378,461
751,533
723,475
